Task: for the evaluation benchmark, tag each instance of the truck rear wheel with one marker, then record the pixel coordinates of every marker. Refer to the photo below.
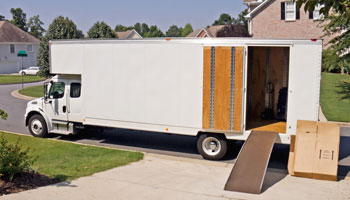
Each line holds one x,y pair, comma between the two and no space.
37,126
212,146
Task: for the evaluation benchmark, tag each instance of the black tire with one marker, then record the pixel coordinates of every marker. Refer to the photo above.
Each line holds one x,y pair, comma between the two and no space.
37,126
23,73
203,145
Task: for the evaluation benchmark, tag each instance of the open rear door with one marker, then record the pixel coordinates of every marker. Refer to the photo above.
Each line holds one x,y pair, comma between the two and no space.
222,88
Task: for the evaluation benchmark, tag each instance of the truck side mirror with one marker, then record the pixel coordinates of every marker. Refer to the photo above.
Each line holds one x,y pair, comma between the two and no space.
46,93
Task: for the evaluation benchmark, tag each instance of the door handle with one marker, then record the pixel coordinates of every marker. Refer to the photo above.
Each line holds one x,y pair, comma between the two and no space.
64,108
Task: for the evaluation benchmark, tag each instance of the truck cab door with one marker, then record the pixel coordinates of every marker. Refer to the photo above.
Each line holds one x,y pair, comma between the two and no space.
56,105
74,102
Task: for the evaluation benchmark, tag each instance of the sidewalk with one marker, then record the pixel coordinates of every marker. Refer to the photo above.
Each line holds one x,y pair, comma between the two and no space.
166,177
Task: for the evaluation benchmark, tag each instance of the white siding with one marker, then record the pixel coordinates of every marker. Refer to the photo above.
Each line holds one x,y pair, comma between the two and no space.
10,63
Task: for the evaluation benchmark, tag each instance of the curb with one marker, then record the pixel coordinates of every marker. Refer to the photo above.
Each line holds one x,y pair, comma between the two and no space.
16,94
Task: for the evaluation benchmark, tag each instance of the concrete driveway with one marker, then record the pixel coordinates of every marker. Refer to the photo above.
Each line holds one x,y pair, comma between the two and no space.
167,177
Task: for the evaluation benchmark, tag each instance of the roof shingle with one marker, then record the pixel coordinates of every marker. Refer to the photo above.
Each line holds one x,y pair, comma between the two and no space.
11,33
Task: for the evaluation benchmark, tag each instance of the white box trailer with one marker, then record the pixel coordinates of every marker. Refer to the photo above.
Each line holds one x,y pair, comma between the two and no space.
217,89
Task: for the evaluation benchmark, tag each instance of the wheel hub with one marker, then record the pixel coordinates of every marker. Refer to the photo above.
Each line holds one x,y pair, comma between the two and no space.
211,146
36,127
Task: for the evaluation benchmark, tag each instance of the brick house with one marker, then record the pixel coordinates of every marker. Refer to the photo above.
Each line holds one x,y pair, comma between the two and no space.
282,19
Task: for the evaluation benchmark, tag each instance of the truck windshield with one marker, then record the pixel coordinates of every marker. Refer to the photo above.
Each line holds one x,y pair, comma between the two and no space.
56,90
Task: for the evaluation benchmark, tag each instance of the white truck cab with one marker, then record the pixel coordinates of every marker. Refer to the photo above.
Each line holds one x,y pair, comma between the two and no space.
58,110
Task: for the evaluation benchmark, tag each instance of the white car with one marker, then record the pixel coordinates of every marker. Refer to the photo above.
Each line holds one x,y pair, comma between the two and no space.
30,71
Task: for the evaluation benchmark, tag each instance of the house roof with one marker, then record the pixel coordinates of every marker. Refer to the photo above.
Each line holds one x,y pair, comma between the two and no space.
249,15
11,33
126,34
211,31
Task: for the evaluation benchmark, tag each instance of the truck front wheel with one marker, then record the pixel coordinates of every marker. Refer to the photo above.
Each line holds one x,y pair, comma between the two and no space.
212,146
37,126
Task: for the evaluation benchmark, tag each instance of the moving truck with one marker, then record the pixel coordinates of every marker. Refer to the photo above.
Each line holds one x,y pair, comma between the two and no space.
215,89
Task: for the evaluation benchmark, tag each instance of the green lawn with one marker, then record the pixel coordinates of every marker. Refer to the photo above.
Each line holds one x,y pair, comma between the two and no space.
11,79
68,161
34,91
335,96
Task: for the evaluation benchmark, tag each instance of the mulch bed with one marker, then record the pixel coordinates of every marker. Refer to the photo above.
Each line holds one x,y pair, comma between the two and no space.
26,181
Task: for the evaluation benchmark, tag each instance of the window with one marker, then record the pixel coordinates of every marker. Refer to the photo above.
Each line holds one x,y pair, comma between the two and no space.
56,90
75,90
29,48
290,11
12,48
316,13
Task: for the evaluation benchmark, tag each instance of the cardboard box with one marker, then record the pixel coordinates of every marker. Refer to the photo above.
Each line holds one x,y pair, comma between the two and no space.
291,155
327,151
316,150
305,148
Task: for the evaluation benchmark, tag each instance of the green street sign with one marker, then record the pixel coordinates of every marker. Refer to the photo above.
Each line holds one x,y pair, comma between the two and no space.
22,54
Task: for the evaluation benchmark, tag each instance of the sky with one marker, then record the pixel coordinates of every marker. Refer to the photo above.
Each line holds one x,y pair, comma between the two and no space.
162,13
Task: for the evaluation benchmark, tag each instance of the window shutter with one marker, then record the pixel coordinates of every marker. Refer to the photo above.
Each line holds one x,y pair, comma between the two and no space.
311,14
283,11
297,14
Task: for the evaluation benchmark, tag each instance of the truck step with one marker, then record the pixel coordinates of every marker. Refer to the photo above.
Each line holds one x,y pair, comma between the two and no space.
59,122
62,132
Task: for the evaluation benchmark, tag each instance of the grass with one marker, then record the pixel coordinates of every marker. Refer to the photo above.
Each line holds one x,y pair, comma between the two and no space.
335,96
68,161
12,79
33,91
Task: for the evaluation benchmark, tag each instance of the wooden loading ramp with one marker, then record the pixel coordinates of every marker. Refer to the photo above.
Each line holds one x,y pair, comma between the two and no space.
250,168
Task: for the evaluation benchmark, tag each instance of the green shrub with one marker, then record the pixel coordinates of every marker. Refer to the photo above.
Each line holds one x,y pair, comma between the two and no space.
3,115
14,159
330,61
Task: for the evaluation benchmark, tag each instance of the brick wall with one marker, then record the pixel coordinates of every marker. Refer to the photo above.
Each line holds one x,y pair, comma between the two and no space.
267,23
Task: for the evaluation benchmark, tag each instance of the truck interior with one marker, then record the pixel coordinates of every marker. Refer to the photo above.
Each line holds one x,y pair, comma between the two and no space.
267,88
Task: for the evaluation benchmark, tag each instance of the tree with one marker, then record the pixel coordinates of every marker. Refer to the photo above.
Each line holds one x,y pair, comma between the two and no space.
154,31
223,19
35,26
2,17
187,30
241,19
330,61
101,30
233,30
60,28
138,27
338,6
121,28
174,31
337,16
144,30
19,18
